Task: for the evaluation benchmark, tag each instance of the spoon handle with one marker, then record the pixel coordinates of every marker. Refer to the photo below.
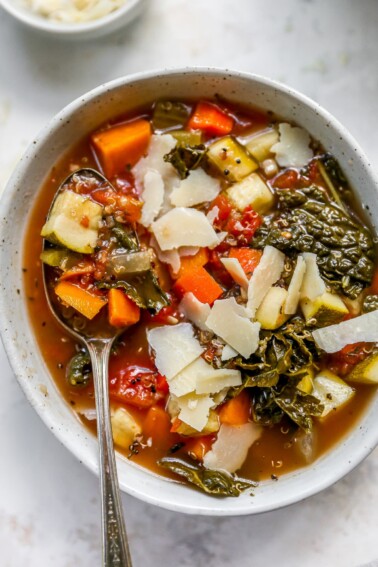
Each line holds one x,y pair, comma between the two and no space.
114,539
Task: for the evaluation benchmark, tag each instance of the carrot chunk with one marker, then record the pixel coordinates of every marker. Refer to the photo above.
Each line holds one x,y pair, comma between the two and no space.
80,299
211,119
237,410
122,310
200,283
248,258
121,145
190,263
157,424
197,447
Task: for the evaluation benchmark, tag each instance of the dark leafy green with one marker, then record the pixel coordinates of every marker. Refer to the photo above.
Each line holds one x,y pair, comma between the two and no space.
79,369
216,483
143,289
168,115
126,237
184,158
307,221
370,303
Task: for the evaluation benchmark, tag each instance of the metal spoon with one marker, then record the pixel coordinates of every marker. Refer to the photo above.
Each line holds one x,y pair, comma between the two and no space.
115,549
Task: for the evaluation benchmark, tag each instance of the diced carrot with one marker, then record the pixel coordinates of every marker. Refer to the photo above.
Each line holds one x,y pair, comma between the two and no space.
237,410
211,119
175,425
121,145
122,310
79,270
248,258
190,263
156,424
200,283
197,447
80,299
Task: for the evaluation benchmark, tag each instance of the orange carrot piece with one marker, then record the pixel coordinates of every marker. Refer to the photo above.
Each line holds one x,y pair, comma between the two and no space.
211,119
78,271
122,310
121,145
157,424
80,299
175,425
197,447
248,258
200,283
190,263
237,410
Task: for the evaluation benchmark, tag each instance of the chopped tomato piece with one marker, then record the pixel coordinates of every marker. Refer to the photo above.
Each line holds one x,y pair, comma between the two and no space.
157,424
201,284
342,362
243,226
224,208
286,180
211,119
136,386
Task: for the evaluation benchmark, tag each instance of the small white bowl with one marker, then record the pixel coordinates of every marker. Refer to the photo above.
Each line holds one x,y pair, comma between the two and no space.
86,30
70,125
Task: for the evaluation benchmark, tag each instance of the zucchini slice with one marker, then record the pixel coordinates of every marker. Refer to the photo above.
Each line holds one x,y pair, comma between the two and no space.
270,313
260,144
331,391
253,192
366,371
327,309
231,159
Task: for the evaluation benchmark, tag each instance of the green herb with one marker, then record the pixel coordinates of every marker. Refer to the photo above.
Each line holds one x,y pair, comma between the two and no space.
217,483
168,115
79,369
307,221
184,158
333,176
370,303
143,289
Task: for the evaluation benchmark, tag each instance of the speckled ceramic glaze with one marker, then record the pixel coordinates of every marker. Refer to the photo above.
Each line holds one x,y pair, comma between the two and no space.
85,30
77,120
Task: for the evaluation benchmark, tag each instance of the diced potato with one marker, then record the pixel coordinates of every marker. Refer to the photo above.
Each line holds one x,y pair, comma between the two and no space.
73,222
212,426
231,159
366,371
306,383
270,313
326,309
125,428
259,146
252,191
331,391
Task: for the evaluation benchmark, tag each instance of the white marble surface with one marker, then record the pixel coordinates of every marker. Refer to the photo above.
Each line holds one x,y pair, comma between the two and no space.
49,504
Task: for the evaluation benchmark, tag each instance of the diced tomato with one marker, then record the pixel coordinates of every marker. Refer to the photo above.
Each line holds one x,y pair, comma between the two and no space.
342,362
225,207
118,202
248,258
165,314
217,269
286,180
137,386
210,119
243,226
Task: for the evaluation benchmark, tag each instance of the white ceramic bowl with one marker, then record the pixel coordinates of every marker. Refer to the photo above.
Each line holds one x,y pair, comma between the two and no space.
78,119
86,30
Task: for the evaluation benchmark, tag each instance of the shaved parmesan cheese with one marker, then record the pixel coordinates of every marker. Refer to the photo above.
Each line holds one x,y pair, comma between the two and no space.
227,353
194,410
293,292
231,323
362,329
212,215
201,377
231,447
198,187
183,227
194,310
153,196
159,146
264,276
188,250
293,148
235,270
171,257
220,236
175,347
313,285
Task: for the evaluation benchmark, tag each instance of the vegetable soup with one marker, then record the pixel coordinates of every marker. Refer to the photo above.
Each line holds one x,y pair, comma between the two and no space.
227,244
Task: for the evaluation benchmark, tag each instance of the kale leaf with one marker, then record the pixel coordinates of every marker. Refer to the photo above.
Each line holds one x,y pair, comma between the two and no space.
184,158
216,483
79,369
370,303
307,221
126,238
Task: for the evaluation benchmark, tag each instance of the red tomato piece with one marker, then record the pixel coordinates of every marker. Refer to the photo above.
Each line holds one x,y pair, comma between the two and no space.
137,386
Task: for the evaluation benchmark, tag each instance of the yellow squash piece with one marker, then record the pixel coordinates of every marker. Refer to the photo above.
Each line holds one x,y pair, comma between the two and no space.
270,313
80,299
253,192
231,159
260,145
366,371
331,391
327,309
125,428
306,384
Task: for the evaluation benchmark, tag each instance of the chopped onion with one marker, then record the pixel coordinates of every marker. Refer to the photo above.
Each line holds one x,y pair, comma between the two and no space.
362,329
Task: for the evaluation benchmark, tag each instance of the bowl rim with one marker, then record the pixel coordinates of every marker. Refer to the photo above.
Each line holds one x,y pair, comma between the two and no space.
371,435
38,22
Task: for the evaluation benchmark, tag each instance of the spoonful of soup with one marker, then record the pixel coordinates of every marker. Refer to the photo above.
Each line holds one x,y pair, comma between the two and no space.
97,277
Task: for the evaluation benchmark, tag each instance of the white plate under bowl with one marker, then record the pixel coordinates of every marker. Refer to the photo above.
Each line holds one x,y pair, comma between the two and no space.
80,118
